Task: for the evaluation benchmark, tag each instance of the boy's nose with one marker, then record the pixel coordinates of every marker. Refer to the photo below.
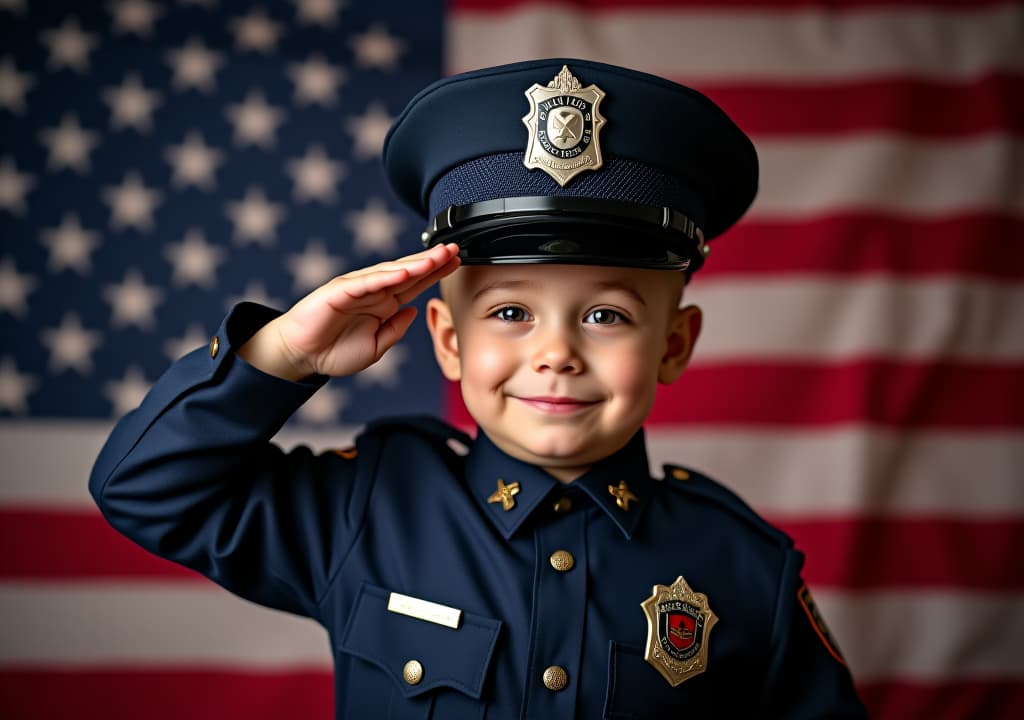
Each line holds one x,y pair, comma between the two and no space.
556,353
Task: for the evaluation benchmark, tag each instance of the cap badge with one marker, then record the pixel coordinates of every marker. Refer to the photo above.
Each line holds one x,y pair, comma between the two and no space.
563,126
678,624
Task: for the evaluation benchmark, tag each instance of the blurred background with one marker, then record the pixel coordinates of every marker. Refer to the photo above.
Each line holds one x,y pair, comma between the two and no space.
859,380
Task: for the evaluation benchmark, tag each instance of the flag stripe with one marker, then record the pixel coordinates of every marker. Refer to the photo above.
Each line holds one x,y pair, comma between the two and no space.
995,699
127,693
703,46
905,105
976,245
848,552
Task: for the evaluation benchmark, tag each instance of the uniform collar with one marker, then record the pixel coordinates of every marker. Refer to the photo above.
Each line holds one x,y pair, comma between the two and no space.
488,469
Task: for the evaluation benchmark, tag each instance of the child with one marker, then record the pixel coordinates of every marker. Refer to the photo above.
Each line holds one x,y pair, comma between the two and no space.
538,570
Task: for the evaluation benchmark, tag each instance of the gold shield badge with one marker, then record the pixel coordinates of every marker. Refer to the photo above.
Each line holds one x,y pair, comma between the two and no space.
563,126
679,622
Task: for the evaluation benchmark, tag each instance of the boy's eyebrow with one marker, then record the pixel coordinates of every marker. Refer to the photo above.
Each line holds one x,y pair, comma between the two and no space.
623,287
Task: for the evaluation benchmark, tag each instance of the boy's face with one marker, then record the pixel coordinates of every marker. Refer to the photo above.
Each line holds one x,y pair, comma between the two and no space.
559,364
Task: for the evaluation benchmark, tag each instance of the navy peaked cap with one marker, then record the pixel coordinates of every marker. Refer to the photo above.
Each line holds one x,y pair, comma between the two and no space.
571,161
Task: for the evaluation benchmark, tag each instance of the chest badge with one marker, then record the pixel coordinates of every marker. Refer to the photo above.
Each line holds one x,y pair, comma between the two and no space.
562,126
679,622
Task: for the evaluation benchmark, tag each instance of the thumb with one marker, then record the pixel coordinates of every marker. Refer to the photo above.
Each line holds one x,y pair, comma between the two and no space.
394,329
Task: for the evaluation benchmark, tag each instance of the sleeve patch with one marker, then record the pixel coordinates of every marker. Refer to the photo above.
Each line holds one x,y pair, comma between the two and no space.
818,622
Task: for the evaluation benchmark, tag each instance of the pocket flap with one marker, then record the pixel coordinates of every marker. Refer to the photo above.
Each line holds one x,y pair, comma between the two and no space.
450,657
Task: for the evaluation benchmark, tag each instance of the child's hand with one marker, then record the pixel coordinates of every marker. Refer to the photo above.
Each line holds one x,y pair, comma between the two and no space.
347,324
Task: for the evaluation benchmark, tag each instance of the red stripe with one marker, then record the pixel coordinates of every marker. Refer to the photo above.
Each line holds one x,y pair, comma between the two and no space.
865,553
593,6
911,106
982,245
989,698
850,552
901,394
164,694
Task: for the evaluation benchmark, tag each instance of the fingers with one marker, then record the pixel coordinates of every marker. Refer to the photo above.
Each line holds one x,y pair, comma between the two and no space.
394,329
403,279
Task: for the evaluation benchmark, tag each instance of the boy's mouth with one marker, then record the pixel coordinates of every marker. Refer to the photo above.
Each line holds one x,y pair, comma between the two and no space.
556,405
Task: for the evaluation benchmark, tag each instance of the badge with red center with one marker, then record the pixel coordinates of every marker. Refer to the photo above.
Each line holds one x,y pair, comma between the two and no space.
679,622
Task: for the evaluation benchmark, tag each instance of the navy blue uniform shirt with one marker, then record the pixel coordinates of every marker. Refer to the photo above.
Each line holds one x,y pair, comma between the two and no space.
192,476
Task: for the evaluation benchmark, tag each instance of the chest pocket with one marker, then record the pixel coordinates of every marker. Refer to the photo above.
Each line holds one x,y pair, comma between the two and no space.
636,691
453,662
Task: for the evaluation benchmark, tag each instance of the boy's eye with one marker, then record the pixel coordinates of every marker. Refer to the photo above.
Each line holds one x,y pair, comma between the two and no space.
604,316
511,313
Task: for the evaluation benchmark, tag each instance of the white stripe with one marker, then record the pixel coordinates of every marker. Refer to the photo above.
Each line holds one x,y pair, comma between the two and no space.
142,624
854,470
803,46
927,636
879,315
836,471
802,178
923,635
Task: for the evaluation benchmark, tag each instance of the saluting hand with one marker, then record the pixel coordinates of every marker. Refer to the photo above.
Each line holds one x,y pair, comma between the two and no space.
348,323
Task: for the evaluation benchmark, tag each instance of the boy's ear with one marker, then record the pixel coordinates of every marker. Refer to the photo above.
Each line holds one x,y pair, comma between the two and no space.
682,336
446,341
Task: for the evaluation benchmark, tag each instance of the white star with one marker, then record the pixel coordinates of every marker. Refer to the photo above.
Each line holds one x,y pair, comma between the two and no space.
135,16
195,261
14,289
255,31
323,408
71,345
13,86
315,175
69,46
15,7
369,131
255,120
376,48
127,393
131,203
133,302
194,337
70,246
256,292
69,145
313,267
385,372
375,229
316,81
318,12
194,162
194,66
14,387
14,186
255,218
131,104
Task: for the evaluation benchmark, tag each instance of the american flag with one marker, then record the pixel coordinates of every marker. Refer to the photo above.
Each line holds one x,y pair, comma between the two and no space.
860,378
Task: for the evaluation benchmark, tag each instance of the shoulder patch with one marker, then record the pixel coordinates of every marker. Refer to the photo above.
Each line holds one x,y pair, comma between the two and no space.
803,595
694,483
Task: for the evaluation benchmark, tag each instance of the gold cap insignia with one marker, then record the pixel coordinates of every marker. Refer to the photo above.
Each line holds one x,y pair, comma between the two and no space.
563,125
678,624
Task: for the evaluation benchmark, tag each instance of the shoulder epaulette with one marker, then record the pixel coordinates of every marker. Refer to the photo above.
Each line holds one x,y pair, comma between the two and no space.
425,426
694,483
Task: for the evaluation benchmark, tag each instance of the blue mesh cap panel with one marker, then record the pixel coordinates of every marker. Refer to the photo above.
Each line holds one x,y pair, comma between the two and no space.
504,175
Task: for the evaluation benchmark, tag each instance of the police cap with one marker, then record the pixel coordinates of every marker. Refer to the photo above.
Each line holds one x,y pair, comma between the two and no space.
570,161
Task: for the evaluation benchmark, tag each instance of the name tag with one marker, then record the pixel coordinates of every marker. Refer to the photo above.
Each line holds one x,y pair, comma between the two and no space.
423,610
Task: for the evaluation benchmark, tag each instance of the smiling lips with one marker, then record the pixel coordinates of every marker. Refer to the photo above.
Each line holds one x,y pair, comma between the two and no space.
557,405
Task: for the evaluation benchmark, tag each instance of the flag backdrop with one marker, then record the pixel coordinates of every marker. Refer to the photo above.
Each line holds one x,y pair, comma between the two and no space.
859,380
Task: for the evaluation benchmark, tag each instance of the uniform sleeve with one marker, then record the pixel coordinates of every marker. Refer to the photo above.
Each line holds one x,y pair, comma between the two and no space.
808,677
192,476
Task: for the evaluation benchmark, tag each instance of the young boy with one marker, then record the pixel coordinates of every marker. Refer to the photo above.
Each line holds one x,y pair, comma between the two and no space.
538,570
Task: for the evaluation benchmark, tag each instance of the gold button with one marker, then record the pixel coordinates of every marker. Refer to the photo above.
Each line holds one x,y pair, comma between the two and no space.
563,505
562,560
412,672
214,346
680,474
555,678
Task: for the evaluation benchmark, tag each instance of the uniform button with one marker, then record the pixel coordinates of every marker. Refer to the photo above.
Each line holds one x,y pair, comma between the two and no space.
214,346
680,474
562,560
412,672
563,505
555,678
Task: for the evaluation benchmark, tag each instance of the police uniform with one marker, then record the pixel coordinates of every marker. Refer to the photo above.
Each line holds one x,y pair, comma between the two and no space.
454,580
